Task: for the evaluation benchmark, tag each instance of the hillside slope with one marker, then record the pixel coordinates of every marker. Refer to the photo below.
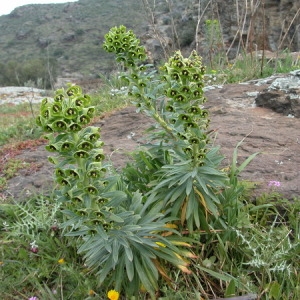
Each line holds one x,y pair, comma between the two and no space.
72,33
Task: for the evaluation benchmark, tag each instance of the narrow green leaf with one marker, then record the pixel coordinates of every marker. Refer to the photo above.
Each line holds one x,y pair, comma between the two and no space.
230,290
246,162
219,276
143,277
128,253
115,250
129,268
189,186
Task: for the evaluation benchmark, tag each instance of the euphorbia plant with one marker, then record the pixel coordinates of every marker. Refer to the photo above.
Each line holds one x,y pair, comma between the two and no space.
182,166
123,236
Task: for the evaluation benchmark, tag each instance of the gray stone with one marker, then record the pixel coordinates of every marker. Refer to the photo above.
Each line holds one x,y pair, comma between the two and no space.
282,95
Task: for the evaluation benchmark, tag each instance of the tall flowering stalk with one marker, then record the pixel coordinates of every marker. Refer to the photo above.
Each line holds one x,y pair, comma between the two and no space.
78,170
118,229
185,167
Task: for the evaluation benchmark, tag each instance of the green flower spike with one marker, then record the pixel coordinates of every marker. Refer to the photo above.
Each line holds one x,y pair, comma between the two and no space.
185,118
52,148
38,121
56,109
81,102
89,111
94,173
71,113
191,125
74,127
185,89
91,190
59,97
82,212
66,146
63,182
171,93
180,98
85,146
98,156
81,154
101,201
194,140
74,90
93,137
48,128
195,110
72,173
170,108
59,172
59,126
46,113
84,119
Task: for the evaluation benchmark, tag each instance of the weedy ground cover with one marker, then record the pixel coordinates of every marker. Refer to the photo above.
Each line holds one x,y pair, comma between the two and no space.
172,225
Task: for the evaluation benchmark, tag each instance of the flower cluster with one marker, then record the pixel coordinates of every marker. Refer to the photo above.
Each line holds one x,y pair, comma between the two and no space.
183,110
274,183
79,170
126,46
68,112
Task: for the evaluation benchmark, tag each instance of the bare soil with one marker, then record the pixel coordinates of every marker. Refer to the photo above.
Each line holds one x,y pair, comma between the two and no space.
233,117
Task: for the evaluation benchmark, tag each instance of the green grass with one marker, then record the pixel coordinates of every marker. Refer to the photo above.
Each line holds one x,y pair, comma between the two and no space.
247,68
261,259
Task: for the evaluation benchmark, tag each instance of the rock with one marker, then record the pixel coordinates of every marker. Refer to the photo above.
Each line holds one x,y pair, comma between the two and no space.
282,95
69,37
275,100
43,42
271,25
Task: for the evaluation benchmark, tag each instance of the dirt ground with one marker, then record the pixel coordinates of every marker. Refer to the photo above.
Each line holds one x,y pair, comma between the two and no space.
233,117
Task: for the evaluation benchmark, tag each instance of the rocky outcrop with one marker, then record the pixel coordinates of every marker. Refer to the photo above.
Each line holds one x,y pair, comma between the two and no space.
230,26
283,95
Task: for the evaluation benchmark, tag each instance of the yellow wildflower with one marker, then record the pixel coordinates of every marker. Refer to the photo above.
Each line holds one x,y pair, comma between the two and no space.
113,295
61,261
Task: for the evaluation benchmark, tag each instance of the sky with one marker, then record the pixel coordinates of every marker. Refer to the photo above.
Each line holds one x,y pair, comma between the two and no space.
7,6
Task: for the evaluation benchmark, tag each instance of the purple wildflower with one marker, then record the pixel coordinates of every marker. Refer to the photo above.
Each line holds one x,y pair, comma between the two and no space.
274,183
